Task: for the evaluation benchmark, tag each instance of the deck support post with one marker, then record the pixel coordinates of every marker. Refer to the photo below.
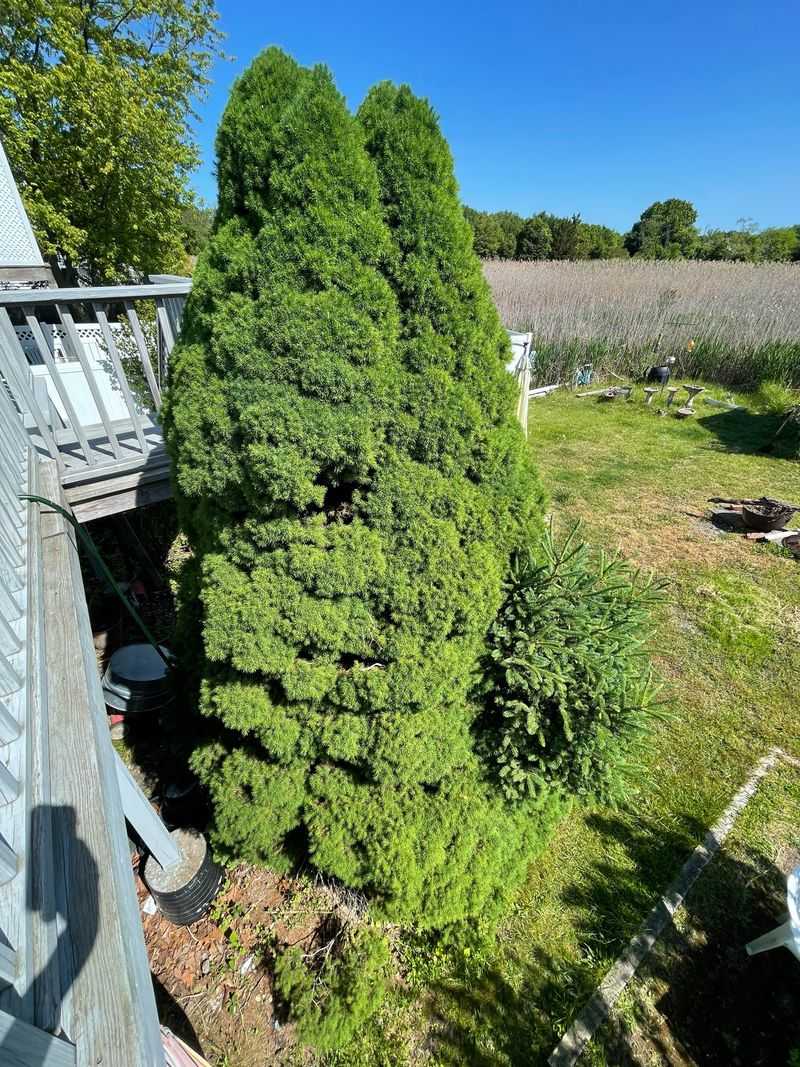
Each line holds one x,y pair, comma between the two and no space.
140,814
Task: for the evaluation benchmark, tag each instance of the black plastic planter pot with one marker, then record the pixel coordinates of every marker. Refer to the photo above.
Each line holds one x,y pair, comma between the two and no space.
137,680
185,892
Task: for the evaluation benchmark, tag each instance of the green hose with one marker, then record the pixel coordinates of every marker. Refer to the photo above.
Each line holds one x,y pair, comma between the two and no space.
91,548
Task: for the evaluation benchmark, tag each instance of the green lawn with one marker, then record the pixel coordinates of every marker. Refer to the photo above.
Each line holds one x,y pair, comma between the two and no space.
728,649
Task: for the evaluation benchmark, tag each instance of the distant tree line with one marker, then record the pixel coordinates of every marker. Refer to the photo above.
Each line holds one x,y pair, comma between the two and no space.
665,230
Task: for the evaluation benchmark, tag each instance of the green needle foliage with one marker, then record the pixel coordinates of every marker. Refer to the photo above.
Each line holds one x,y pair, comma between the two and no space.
353,482
331,1002
569,686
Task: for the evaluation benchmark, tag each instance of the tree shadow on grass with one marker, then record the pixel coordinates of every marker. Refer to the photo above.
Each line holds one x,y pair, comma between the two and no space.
641,856
740,430
698,998
709,1003
514,1013
506,1017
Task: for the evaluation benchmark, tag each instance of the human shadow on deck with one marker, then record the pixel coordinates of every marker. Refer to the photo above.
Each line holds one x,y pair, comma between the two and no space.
53,833
741,430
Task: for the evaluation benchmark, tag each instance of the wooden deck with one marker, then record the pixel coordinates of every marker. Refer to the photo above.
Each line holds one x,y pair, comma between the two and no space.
103,986
80,377
75,987
85,368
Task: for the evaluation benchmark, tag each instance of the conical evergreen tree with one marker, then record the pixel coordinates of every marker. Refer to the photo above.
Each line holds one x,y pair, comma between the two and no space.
352,483
458,394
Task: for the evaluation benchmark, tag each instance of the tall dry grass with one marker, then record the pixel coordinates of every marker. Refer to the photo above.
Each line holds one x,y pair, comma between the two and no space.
744,319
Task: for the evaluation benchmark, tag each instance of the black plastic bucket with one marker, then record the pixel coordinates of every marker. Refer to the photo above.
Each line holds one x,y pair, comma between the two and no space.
137,680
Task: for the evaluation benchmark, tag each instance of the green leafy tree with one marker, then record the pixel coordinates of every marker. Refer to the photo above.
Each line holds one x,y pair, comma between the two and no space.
739,246
196,224
569,237
95,101
535,240
603,243
352,481
487,234
494,234
665,230
717,245
511,224
779,244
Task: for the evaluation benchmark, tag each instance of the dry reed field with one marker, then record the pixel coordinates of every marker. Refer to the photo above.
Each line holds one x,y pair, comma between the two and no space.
743,319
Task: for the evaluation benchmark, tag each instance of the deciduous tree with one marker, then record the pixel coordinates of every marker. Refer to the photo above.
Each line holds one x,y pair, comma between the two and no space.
535,240
95,105
665,230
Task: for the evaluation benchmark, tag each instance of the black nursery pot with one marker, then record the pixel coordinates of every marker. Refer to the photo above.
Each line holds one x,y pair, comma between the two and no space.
184,893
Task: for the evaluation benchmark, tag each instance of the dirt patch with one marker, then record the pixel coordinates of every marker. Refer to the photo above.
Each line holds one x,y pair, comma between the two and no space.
213,979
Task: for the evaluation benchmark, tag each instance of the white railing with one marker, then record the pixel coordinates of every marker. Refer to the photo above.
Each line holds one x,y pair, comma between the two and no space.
23,770
85,367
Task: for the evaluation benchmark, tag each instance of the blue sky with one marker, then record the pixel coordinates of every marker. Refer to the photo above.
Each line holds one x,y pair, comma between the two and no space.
598,107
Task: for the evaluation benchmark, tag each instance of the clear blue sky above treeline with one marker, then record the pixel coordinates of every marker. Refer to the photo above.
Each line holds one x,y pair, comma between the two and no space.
597,108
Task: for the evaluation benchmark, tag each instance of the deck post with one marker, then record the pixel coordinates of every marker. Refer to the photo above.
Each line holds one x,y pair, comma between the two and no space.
140,814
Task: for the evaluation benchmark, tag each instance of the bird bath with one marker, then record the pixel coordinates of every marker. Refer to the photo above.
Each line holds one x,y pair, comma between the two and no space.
649,394
671,391
692,390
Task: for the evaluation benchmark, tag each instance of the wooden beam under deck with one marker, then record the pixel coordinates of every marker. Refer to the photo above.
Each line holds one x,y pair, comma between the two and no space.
110,490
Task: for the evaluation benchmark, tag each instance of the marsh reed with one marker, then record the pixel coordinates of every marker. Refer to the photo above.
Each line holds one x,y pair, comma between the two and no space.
622,315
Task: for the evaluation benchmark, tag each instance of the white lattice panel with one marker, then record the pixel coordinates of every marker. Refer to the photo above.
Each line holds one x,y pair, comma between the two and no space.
18,246
88,332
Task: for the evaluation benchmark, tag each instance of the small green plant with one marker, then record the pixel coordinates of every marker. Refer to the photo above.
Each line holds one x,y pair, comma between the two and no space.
569,686
330,1000
774,398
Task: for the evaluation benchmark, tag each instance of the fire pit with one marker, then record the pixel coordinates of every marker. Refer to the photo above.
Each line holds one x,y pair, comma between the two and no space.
771,515
763,515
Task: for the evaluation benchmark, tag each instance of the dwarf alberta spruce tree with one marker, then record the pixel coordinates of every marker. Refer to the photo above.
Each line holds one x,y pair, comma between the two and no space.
352,482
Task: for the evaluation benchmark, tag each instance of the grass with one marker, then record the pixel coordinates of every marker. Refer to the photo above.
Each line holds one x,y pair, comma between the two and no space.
728,648
743,319
699,970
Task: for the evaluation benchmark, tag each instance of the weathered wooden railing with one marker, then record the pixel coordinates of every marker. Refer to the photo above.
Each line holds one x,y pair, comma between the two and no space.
86,368
75,987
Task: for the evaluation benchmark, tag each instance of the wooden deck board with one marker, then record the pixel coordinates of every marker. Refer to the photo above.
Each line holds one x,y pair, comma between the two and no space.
106,985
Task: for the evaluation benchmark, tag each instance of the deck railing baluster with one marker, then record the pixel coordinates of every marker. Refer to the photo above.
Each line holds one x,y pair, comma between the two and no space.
10,729
83,406
141,346
9,786
76,344
16,365
44,351
114,356
8,961
11,681
9,863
